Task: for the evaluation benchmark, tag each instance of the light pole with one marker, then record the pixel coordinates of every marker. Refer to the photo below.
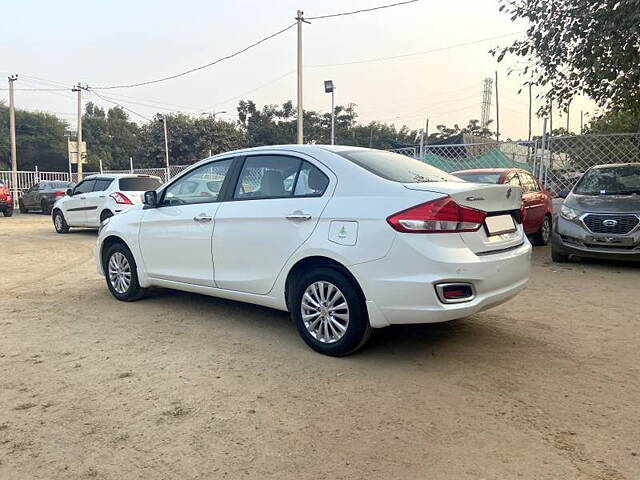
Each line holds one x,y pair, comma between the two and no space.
166,147
329,87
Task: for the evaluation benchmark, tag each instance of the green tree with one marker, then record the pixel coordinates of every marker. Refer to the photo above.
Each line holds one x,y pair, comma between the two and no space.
576,47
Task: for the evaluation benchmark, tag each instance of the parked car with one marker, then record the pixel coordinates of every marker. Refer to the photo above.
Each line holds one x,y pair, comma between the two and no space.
600,217
537,206
98,197
346,239
6,199
42,196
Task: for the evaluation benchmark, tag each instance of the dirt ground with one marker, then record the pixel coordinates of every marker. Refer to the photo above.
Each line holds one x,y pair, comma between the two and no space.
182,386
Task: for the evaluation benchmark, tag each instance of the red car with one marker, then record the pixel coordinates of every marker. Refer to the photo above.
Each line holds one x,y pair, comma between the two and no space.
6,200
536,207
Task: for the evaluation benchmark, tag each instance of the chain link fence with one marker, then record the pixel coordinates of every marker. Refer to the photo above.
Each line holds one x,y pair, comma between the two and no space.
558,162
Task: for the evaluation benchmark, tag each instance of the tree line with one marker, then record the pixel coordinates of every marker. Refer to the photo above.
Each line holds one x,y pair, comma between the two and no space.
112,136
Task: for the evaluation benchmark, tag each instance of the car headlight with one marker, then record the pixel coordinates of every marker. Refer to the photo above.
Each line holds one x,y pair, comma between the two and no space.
568,213
103,224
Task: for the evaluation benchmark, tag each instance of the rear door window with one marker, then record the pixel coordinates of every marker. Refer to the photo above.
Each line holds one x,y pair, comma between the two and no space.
138,184
267,176
102,184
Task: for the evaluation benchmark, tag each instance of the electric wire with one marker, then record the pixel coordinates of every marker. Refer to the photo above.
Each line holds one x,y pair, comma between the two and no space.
363,10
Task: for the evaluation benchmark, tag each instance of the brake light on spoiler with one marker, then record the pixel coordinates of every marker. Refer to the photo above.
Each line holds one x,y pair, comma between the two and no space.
443,215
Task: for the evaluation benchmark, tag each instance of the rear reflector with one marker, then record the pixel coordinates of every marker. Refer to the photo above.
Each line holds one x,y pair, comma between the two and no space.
443,215
455,292
121,198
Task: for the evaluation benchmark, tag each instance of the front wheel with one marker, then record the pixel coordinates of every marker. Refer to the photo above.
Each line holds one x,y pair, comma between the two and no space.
21,207
329,313
59,222
558,257
121,274
45,208
8,212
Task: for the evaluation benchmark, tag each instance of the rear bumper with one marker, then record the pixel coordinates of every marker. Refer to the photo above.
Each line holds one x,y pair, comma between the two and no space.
568,239
408,295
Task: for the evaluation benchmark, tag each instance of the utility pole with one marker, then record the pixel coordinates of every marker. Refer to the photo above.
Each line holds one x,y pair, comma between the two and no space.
131,164
426,131
300,19
78,88
551,117
333,118
568,105
581,122
166,146
497,111
12,134
529,112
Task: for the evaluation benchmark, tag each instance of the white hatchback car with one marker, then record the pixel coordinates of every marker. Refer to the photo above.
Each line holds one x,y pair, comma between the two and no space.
346,239
98,197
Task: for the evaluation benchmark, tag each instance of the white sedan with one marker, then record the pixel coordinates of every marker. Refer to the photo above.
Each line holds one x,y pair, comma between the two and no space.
346,239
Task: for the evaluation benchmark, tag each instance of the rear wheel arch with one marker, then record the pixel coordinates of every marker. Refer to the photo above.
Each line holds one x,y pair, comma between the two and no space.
309,263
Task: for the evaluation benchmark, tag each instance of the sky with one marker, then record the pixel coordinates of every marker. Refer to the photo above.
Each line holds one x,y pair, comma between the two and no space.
111,42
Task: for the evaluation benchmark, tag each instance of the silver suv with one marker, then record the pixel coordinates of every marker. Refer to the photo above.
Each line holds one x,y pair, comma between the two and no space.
600,217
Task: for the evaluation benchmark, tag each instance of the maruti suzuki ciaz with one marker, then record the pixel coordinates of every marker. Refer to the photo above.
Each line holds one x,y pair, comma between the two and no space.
346,239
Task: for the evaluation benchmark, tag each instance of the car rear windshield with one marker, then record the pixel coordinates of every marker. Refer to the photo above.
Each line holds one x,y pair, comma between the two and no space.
139,184
479,177
52,185
614,180
396,167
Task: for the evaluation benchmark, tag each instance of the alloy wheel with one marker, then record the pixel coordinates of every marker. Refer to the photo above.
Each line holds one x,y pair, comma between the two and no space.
119,273
325,312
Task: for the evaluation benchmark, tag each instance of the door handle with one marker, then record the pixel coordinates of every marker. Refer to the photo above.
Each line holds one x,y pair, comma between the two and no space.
202,218
102,196
83,198
298,216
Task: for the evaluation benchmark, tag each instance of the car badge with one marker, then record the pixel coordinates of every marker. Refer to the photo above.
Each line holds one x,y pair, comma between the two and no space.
610,223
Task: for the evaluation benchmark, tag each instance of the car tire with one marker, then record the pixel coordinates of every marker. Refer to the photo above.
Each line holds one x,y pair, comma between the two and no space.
105,214
326,329
542,236
59,223
121,275
558,257
21,207
8,212
45,208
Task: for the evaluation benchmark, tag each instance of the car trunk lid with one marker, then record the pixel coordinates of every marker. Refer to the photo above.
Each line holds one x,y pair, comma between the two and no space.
496,200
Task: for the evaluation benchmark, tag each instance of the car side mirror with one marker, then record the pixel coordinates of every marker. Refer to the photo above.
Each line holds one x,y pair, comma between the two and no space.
563,193
69,191
150,199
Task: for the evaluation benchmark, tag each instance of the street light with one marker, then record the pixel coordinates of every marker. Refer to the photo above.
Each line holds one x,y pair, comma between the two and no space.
330,88
213,114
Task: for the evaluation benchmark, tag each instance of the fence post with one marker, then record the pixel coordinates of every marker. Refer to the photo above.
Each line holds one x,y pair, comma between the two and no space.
37,175
543,171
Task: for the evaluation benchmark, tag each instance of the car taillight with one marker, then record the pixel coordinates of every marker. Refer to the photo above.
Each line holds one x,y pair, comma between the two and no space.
60,194
121,198
443,215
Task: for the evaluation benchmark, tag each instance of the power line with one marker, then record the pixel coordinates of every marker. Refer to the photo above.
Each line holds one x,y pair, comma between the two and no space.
38,89
210,64
107,99
319,17
424,52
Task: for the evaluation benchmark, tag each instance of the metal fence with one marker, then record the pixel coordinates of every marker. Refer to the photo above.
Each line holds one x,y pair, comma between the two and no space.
558,162
25,179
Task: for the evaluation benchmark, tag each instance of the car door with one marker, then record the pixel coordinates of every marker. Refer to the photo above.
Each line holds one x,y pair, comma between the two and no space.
75,211
276,203
176,236
95,199
28,199
534,202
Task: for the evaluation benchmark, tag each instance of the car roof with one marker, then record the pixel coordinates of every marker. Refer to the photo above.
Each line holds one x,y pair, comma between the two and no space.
119,175
607,165
485,170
